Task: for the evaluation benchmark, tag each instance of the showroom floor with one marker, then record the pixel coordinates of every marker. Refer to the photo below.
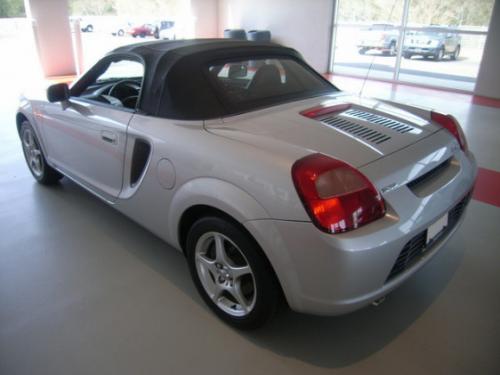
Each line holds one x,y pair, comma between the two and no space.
84,290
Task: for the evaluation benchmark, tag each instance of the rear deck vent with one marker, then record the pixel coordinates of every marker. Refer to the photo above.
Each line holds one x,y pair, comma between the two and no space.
357,130
389,123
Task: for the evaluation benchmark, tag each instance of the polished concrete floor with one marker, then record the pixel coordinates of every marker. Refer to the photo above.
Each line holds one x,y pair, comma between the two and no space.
84,290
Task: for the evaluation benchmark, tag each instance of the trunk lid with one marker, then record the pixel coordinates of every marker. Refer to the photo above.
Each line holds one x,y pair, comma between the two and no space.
367,131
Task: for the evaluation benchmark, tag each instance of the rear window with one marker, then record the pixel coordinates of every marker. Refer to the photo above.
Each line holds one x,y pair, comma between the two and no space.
249,84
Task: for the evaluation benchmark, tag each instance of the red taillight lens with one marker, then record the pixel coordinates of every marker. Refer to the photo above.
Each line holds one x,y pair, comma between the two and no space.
336,196
325,109
451,124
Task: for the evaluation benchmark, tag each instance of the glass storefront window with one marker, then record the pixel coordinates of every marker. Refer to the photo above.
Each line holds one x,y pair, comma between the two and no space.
442,43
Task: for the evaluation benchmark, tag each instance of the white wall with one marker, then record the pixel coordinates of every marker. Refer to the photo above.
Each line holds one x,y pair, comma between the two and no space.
205,14
488,79
300,24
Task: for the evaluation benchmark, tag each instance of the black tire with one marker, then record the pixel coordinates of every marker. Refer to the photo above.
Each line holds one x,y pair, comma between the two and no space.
120,32
362,51
407,55
267,290
259,36
392,50
142,35
239,34
89,28
438,56
46,175
455,53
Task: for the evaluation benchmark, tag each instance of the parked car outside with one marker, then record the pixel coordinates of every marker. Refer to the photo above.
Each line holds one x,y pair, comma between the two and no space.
119,29
379,37
432,43
142,30
166,30
86,23
275,185
86,26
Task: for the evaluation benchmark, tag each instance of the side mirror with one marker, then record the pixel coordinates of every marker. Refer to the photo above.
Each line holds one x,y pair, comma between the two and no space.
58,93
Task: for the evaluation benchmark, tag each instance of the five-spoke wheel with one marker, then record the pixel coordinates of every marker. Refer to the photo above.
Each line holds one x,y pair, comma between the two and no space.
35,159
32,152
225,274
231,273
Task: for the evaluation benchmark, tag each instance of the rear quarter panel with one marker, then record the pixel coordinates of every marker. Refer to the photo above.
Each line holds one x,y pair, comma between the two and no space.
242,180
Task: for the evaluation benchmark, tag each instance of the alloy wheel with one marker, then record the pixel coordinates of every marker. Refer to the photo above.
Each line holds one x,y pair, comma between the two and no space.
32,152
225,274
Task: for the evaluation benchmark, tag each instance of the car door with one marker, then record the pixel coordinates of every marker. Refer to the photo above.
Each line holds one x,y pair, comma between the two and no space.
86,138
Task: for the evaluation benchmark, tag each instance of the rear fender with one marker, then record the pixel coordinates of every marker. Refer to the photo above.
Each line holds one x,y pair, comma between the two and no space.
215,193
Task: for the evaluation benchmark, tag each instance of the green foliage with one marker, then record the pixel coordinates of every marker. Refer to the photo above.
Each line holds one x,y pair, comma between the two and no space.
451,12
422,12
92,7
12,8
136,8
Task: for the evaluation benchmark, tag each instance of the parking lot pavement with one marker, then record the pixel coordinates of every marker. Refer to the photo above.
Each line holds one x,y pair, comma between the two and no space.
460,73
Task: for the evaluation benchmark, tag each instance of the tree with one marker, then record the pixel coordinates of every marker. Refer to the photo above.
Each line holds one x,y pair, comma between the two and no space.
422,12
92,7
12,8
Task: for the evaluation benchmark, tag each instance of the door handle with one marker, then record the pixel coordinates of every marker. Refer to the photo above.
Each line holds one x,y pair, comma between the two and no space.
108,136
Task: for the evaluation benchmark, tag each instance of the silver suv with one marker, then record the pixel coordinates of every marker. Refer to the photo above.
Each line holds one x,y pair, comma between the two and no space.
432,43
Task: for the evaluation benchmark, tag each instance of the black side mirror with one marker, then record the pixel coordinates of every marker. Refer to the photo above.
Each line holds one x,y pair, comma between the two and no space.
58,93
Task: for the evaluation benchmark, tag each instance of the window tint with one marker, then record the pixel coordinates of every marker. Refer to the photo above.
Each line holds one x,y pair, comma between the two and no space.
252,83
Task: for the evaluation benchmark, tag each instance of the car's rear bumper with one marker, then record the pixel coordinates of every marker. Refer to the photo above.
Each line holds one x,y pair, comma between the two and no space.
335,274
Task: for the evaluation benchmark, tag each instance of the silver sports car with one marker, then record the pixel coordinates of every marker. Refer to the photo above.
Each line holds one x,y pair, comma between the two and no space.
274,184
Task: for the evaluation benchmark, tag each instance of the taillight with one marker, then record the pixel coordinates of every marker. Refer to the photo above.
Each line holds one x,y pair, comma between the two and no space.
451,124
336,196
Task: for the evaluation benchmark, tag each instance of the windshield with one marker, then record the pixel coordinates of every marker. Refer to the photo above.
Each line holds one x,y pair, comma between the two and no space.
249,84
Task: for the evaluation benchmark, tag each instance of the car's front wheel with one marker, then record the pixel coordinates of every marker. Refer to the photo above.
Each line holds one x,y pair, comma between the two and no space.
438,56
392,50
456,53
231,274
35,159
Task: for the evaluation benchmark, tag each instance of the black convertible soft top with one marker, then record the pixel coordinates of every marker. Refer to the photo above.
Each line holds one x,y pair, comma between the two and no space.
176,82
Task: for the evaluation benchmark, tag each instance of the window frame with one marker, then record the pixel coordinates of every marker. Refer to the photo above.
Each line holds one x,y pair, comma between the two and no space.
100,67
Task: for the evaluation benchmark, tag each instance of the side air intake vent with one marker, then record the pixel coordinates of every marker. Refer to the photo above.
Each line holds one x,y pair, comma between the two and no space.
379,120
357,130
140,157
